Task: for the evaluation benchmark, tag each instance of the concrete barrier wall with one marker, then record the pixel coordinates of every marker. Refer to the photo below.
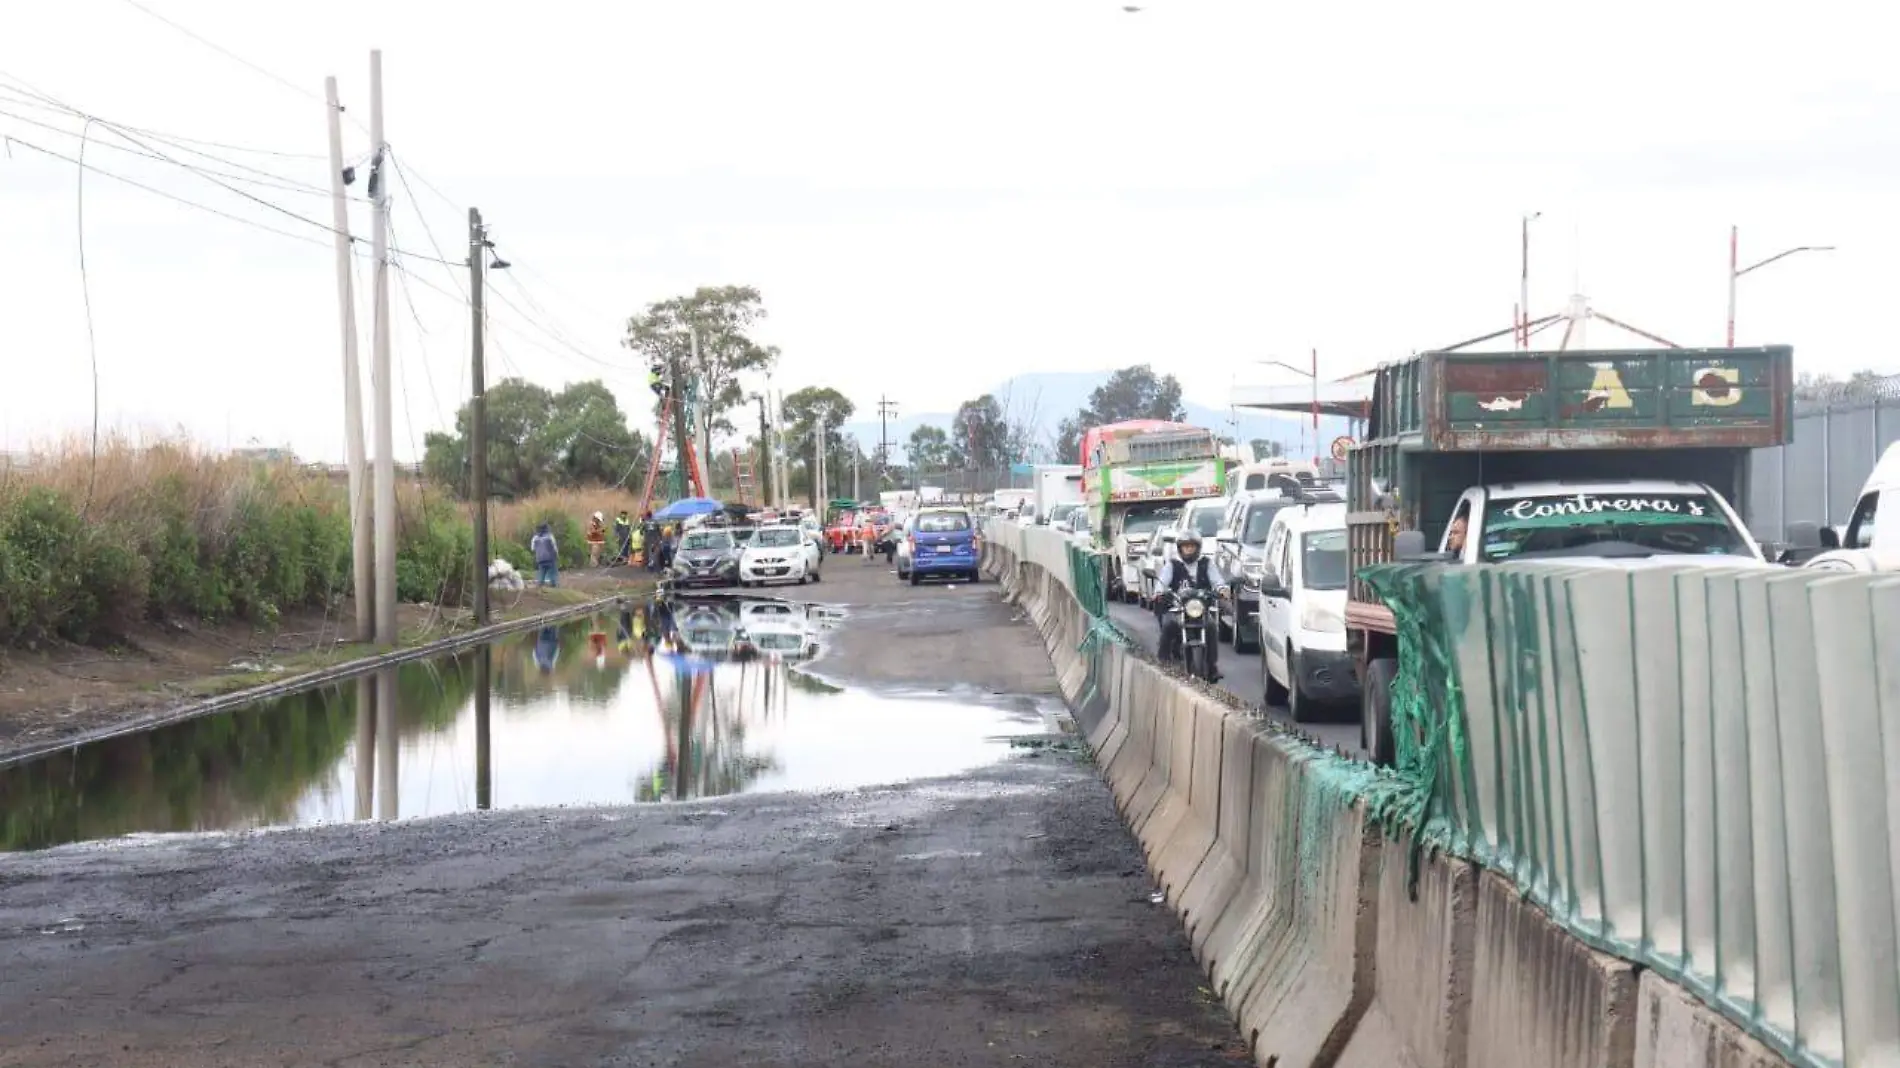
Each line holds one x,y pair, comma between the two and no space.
1686,767
1330,943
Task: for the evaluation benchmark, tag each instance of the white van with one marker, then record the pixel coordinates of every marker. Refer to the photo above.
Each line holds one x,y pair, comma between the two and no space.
1864,546
1303,654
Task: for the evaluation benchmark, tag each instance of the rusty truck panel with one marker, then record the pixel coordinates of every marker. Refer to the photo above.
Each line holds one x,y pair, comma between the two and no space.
1624,399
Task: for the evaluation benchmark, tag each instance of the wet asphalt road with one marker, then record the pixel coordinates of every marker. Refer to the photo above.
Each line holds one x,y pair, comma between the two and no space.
1243,675
995,918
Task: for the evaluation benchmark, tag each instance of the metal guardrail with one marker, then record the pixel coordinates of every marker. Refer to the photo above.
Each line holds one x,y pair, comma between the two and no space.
1696,769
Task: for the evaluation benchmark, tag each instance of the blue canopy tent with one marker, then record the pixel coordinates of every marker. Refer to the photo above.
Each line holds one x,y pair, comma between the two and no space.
689,506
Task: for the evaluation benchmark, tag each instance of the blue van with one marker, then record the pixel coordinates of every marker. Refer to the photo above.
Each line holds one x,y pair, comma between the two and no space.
943,541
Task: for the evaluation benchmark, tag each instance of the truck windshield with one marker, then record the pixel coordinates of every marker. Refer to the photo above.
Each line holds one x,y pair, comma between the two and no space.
1147,522
1059,512
1323,560
1624,524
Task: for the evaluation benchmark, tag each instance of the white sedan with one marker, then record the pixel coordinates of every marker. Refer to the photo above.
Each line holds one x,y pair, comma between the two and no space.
779,554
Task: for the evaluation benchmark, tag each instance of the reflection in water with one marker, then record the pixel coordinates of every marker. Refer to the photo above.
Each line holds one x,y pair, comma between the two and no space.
365,743
652,702
484,755
388,796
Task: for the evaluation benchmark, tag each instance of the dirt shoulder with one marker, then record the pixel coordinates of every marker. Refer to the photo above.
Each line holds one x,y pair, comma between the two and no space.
65,690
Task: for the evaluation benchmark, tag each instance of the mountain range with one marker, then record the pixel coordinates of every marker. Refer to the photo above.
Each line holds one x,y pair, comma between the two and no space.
1047,398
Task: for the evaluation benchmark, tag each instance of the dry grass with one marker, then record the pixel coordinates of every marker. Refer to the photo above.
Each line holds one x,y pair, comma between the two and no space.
163,527
514,518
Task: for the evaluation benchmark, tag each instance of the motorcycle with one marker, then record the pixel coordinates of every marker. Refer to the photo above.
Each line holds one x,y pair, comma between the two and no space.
1195,614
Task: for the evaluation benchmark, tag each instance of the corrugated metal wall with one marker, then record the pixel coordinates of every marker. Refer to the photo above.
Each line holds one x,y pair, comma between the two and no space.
1818,477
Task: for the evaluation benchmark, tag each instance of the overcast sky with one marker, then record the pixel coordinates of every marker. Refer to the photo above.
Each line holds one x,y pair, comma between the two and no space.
931,196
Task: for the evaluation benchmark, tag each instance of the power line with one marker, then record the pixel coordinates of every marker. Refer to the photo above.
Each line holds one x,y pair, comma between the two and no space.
9,139
274,181
325,227
39,101
228,54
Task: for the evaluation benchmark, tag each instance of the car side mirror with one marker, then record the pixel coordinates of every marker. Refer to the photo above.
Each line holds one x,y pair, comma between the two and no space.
1830,538
1806,535
1270,586
1410,547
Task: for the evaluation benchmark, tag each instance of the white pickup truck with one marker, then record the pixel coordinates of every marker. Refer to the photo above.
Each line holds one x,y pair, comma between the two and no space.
1598,523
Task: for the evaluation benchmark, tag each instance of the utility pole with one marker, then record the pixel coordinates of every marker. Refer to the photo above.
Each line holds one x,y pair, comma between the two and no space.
696,373
886,408
857,489
361,558
818,466
781,455
381,378
766,489
478,414
1316,406
682,443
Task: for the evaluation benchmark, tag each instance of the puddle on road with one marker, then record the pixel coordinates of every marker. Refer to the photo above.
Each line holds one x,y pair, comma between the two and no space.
653,703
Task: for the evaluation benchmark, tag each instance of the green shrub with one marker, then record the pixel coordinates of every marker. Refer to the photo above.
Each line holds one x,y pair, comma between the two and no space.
62,578
435,553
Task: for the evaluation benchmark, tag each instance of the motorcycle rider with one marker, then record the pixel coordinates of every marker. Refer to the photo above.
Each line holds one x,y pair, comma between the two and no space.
1187,570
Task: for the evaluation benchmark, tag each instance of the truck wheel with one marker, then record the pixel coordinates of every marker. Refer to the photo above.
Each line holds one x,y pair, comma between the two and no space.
1276,693
1375,712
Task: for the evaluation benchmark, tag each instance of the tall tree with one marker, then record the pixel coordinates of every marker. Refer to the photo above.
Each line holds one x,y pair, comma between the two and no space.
802,411
979,435
540,440
721,317
928,449
1130,393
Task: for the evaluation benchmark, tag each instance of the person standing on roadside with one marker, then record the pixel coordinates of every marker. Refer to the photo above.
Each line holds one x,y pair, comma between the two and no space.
547,557
596,538
623,538
666,546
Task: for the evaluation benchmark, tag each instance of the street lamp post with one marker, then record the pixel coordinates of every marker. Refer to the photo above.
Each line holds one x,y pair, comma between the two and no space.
1312,374
1524,281
1735,272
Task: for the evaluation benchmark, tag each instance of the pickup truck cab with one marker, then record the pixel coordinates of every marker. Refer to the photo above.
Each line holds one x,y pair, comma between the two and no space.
1585,522
1866,546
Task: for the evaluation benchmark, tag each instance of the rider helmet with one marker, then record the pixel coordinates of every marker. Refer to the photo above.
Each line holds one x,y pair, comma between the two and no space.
1188,545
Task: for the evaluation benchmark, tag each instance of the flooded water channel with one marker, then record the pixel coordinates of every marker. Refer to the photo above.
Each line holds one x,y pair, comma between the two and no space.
651,703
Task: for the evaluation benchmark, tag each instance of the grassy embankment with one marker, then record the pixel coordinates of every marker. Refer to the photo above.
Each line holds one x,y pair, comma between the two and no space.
88,553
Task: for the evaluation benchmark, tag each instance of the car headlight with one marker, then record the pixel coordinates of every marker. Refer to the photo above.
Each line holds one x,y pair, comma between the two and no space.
1195,609
1322,619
